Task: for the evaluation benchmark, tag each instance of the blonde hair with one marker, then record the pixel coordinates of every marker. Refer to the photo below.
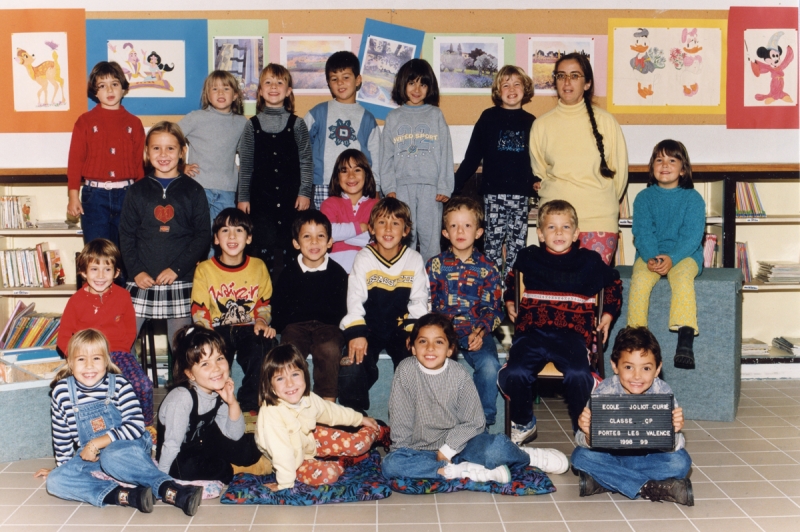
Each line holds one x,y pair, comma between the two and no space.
557,207
281,72
173,129
506,72
81,342
228,80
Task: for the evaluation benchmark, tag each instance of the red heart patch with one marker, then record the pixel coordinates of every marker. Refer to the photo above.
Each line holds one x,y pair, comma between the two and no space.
164,214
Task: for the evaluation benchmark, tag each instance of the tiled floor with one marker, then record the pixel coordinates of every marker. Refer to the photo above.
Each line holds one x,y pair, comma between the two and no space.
746,476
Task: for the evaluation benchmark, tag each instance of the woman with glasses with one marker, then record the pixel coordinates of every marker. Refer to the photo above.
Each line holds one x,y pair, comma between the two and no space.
579,153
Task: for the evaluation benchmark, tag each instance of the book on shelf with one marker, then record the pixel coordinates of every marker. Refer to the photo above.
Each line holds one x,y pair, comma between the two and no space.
39,267
778,271
748,202
33,330
743,261
55,270
709,250
788,344
16,212
753,347
624,207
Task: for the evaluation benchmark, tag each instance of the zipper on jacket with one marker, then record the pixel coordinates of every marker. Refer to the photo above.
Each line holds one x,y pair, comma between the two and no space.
163,188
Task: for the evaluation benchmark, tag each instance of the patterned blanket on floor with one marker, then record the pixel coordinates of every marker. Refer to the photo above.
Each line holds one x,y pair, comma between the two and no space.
360,482
528,481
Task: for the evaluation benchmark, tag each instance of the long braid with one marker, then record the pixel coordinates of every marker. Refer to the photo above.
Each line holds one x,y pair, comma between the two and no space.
605,171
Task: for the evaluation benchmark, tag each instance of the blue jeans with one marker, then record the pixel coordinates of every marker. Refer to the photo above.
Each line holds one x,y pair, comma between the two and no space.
486,365
126,460
101,212
627,474
218,200
488,450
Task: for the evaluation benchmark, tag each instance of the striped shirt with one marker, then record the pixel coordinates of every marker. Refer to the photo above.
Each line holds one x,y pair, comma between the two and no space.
62,414
434,410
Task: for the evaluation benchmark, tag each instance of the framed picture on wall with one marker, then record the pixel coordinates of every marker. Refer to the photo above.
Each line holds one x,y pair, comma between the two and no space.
243,57
467,64
305,57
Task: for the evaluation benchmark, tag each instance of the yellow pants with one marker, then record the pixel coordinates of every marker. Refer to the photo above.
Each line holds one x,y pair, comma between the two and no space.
683,306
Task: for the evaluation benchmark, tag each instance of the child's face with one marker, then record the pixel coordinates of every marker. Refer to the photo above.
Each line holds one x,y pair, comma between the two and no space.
289,385
109,92
389,232
211,372
221,96
313,242
512,89
416,92
100,276
88,366
667,170
351,179
164,153
431,347
274,90
461,229
637,370
343,85
558,232
232,240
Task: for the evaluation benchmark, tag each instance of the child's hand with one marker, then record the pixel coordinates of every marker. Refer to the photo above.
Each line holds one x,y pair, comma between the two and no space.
442,198
537,186
226,392
262,326
302,203
585,423
244,206
370,423
391,195
271,486
191,170
603,326
511,308
166,277
475,339
42,473
677,419
652,264
664,264
74,207
357,349
143,280
269,332
364,228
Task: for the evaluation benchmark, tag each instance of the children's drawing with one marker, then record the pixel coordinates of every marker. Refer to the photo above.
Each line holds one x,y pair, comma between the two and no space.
40,71
154,69
770,52
645,62
244,58
467,64
382,59
543,52
688,61
305,57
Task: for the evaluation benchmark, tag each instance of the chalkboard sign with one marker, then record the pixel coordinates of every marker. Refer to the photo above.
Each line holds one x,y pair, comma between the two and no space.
632,422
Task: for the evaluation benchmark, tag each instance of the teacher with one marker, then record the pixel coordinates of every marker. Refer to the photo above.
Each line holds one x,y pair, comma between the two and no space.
579,153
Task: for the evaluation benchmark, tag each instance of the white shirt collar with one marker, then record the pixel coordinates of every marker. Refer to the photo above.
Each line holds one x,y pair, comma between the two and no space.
433,371
305,269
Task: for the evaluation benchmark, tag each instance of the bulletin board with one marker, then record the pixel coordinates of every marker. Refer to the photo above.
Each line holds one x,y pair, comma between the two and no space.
458,109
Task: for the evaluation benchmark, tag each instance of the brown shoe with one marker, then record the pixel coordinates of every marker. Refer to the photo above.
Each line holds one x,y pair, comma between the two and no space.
677,490
589,486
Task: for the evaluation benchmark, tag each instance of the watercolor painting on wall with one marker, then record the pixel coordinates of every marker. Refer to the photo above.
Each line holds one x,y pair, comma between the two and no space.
467,64
244,58
305,57
154,69
41,71
544,51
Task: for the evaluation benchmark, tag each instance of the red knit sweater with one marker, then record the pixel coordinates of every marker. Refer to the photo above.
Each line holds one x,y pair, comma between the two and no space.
112,315
107,145
340,211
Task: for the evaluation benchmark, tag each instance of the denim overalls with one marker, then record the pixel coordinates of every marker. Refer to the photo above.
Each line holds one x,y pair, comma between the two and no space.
125,460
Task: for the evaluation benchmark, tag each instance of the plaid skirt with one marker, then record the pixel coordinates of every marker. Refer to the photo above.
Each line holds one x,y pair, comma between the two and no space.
162,301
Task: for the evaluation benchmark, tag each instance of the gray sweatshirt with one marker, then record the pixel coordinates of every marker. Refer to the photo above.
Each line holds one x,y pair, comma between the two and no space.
416,149
213,138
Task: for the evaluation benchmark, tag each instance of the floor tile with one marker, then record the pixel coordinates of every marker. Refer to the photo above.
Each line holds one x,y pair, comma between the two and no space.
526,527
777,524
33,515
775,472
473,527
751,489
589,510
642,510
284,515
468,513
331,514
726,525
742,446
791,488
663,525
92,515
707,490
533,512
593,526
400,514
716,459
731,473
712,509
778,507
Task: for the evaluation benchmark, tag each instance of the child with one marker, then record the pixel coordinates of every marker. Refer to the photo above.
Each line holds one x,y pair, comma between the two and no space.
276,170
387,291
231,294
106,151
164,232
213,134
636,359
311,299
200,424
500,139
668,235
340,123
104,306
437,423
352,197
555,316
98,427
292,421
416,153
465,286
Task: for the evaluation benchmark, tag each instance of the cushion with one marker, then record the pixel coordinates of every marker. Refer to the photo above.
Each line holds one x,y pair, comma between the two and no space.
527,481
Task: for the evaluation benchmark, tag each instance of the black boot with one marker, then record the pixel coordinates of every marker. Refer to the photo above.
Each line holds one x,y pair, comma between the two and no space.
140,498
684,355
677,490
187,498
589,486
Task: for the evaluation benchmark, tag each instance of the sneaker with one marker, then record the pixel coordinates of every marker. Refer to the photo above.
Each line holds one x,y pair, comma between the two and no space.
678,490
523,433
589,486
187,498
140,498
548,460
478,473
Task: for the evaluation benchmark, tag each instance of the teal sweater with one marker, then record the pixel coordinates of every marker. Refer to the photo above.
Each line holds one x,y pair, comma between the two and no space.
669,222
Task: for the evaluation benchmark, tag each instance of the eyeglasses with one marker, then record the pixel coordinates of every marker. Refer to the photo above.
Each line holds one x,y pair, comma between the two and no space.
572,76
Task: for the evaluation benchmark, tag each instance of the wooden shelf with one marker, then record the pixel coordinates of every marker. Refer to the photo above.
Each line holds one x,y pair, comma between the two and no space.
61,290
770,219
759,286
21,233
